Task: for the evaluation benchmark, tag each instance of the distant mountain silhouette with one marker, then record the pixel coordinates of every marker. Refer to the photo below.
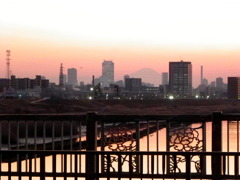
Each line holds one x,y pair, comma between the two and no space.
148,75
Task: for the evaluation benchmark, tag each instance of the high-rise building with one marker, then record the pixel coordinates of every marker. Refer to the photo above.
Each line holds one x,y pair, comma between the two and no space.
219,83
72,77
180,79
107,73
233,87
164,78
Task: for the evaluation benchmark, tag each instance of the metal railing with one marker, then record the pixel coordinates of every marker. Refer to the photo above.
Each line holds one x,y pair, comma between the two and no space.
42,132
46,165
95,146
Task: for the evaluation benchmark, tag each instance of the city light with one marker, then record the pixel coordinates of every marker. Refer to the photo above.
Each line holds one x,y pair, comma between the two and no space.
171,97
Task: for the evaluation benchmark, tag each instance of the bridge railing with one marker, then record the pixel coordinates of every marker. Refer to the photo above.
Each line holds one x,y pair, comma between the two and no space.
125,134
42,132
47,165
68,132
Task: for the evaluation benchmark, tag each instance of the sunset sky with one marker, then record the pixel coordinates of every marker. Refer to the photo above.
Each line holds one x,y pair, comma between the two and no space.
134,34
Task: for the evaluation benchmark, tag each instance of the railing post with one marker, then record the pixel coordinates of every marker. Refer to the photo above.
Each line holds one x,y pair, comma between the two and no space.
91,136
188,167
137,146
42,167
216,144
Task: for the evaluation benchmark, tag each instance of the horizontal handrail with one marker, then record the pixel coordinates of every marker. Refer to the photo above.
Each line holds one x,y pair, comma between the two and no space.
118,152
105,118
119,118
42,117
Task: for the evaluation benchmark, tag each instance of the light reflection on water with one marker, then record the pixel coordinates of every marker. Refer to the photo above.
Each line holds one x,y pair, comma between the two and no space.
148,146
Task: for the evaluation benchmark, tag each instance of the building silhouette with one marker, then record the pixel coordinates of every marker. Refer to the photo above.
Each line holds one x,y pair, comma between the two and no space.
107,73
204,82
213,84
233,87
125,77
180,79
4,84
72,77
64,79
165,78
133,84
219,83
38,80
27,83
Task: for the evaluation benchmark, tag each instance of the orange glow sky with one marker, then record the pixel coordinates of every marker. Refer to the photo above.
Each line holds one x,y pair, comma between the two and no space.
134,34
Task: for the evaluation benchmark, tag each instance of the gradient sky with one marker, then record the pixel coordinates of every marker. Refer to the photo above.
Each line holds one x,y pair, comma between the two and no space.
134,34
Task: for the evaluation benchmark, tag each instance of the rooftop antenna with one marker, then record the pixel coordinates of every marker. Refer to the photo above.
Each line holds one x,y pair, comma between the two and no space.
8,73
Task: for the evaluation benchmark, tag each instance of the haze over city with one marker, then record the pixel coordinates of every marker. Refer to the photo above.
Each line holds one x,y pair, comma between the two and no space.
135,35
130,89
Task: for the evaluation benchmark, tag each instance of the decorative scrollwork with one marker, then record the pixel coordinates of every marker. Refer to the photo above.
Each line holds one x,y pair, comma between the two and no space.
186,139
119,138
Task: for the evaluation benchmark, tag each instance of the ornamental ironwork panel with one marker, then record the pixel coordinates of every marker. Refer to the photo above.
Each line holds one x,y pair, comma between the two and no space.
186,138
119,137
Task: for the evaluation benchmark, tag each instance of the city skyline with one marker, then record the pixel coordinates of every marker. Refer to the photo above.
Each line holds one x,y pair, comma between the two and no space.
92,31
155,82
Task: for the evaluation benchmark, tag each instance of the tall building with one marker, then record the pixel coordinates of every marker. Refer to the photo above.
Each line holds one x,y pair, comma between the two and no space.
180,79
233,87
72,77
133,84
204,82
107,73
164,78
219,83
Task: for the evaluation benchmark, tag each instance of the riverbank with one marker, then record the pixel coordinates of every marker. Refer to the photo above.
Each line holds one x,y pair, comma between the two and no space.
13,106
